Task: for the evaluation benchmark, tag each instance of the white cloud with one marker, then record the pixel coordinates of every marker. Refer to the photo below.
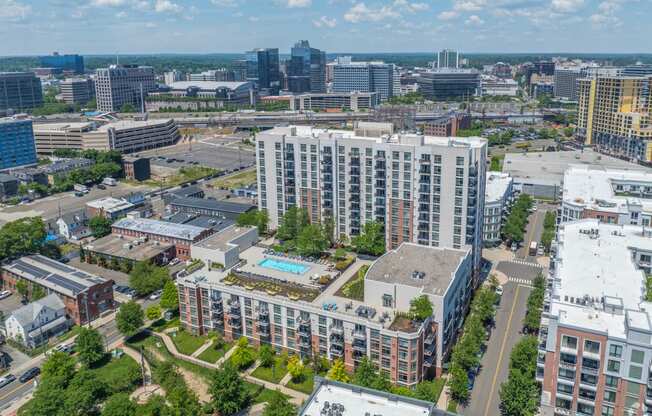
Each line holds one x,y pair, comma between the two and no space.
78,14
325,21
448,15
469,5
567,6
253,19
13,11
474,20
298,3
225,3
107,3
150,25
361,13
121,15
410,7
166,6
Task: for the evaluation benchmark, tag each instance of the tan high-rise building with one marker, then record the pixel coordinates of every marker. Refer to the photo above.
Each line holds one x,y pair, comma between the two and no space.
615,115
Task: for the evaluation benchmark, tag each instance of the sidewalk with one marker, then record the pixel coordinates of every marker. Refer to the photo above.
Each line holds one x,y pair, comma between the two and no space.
203,348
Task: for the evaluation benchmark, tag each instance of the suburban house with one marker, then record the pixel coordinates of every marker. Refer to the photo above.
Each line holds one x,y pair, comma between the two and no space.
33,324
74,226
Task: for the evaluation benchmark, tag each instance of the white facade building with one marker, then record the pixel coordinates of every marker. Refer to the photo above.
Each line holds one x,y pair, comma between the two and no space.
426,190
116,86
491,85
33,324
375,77
498,197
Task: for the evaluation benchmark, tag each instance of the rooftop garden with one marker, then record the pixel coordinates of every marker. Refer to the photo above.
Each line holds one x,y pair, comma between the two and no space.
354,287
272,287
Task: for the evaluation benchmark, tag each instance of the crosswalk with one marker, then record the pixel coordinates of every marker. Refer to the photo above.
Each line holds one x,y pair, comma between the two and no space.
527,263
521,281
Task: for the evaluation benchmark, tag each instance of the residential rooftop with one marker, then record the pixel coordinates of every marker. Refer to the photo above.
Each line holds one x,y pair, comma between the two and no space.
53,275
29,313
598,188
497,184
136,249
203,221
163,228
110,204
360,401
430,268
211,204
223,240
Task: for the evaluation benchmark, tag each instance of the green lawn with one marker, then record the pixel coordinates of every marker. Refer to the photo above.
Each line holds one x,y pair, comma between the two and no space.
187,343
71,333
161,324
212,354
272,374
120,374
452,406
259,394
304,385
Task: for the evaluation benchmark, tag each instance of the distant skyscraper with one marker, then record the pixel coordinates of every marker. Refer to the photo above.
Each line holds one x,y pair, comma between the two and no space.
77,90
263,69
173,76
17,143
566,83
449,84
448,58
375,77
64,62
116,86
20,91
307,69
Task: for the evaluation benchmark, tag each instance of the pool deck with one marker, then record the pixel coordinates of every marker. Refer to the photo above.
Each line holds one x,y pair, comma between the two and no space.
255,255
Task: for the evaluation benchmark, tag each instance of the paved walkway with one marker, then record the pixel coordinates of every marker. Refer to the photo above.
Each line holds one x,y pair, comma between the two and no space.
203,348
285,380
138,358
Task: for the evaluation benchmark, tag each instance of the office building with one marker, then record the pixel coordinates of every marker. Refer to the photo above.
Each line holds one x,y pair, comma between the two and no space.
77,90
130,136
615,116
492,85
427,190
352,101
538,68
263,69
595,341
222,74
136,168
542,85
117,86
73,63
306,69
16,143
565,80
497,200
173,76
20,91
179,235
295,314
448,58
197,95
614,196
637,70
86,296
447,125
375,77
329,395
449,84
501,70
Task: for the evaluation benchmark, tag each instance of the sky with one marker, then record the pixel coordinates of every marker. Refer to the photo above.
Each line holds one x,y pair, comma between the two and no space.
30,27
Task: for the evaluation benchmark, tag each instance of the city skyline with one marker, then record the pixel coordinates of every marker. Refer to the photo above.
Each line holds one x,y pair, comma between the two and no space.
190,26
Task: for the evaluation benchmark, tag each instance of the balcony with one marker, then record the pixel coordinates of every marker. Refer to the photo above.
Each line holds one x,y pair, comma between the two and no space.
217,307
263,313
263,330
235,323
430,339
304,330
335,351
568,366
362,335
429,361
590,370
339,341
217,316
562,411
359,346
429,350
337,330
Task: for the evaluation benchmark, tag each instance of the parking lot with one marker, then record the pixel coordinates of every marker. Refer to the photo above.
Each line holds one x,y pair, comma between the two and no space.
224,153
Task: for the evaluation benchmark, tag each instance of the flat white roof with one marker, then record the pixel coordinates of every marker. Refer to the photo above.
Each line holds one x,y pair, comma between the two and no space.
497,185
168,229
131,124
207,85
594,266
359,401
62,126
595,188
395,139
110,204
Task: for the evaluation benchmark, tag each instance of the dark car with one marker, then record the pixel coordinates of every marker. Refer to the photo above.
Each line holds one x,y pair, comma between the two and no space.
29,374
100,186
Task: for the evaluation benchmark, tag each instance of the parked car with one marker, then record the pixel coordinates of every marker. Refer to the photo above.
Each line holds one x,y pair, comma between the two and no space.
155,295
29,374
100,186
514,246
174,261
5,294
8,379
541,251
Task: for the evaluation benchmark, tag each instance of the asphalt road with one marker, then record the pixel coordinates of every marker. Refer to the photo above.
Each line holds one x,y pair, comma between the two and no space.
533,232
49,207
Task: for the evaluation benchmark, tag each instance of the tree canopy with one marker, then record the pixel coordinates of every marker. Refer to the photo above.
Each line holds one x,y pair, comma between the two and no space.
227,390
21,237
100,226
89,346
421,307
371,240
129,318
170,296
146,277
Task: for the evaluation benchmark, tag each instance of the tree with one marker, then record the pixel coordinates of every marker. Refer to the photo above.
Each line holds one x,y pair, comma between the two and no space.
519,395
99,226
227,390
90,346
311,241
338,372
85,391
170,296
523,356
22,288
146,277
48,400
243,355
58,366
153,312
184,402
295,367
371,240
279,405
50,250
458,384
21,237
428,391
119,405
365,373
266,356
421,308
328,229
289,228
129,318
128,108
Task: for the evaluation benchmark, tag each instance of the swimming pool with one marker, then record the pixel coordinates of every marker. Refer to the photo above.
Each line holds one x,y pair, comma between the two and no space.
284,266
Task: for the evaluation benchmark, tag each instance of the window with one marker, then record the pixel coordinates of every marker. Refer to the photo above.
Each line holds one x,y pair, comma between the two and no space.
387,301
607,411
611,381
569,342
564,388
609,396
637,356
615,350
635,371
613,366
592,346
563,403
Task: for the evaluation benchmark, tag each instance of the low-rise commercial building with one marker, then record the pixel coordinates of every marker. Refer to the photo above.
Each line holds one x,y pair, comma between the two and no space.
136,168
109,207
498,198
209,207
8,186
354,101
35,323
117,249
274,300
447,125
610,195
84,295
179,235
595,341
198,95
130,136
